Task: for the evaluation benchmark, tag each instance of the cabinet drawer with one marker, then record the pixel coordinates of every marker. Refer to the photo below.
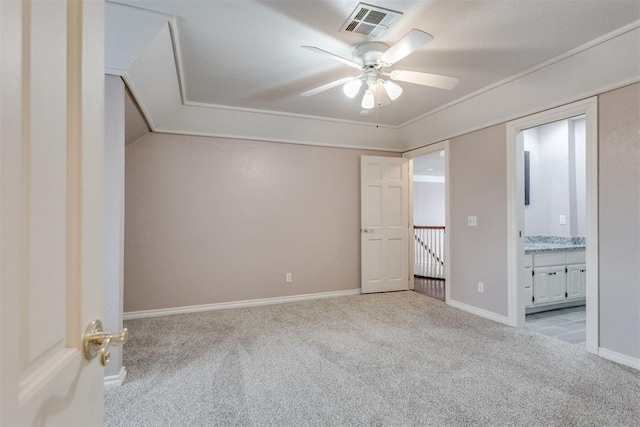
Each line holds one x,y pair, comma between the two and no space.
576,257
555,258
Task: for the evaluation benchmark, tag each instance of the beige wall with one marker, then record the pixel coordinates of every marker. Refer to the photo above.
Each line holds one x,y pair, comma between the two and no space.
619,215
478,187
211,220
428,203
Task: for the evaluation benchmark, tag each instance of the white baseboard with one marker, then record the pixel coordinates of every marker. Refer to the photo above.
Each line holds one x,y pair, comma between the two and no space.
620,358
115,380
236,304
479,312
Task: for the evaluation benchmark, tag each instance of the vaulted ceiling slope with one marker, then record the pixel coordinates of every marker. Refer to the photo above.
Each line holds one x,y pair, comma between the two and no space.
236,68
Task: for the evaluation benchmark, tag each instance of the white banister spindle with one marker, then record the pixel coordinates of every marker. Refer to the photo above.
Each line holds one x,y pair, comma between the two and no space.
429,251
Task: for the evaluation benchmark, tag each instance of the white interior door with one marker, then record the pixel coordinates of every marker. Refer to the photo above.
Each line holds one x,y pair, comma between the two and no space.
51,212
384,212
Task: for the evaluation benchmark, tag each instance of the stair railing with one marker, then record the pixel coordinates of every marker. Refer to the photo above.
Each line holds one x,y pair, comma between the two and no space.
429,251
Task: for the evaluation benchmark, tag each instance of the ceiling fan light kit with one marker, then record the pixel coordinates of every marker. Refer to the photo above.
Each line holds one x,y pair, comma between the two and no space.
352,88
392,89
370,58
368,100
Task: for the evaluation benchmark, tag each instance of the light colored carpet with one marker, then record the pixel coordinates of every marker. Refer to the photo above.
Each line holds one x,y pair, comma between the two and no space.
385,359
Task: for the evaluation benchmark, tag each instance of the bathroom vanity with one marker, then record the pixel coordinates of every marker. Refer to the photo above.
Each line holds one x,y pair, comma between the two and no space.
555,274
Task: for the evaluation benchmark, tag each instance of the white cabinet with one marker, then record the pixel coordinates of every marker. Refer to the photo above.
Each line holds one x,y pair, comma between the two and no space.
555,278
549,285
528,286
576,281
527,278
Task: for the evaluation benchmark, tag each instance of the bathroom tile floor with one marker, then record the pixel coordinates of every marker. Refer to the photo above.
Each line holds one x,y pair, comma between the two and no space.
566,324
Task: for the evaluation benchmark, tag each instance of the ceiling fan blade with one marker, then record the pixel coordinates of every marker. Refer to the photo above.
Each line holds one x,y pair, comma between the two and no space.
327,86
411,42
425,79
333,56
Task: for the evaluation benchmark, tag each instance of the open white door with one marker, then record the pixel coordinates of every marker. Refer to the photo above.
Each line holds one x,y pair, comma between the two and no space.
51,210
384,213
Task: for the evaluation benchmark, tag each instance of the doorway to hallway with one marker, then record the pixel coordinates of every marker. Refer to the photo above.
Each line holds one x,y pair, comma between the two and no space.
429,221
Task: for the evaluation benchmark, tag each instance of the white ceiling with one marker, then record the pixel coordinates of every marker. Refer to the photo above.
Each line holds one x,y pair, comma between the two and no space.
246,53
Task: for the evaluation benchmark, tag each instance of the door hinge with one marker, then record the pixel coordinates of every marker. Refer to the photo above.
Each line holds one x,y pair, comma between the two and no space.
566,270
533,299
566,295
533,273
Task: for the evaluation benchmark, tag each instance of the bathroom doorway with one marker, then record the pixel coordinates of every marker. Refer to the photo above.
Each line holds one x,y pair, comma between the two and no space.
555,228
552,223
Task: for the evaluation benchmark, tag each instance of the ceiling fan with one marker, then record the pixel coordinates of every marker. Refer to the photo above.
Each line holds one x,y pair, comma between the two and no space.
371,58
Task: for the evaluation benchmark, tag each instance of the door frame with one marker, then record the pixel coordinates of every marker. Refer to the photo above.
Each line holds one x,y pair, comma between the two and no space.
515,214
418,152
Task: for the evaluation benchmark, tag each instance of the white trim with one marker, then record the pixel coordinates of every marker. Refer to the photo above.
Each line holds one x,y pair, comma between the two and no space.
412,154
277,140
427,149
479,311
237,304
411,234
516,318
447,221
177,56
516,310
138,100
114,71
115,380
590,44
593,245
286,114
154,128
620,358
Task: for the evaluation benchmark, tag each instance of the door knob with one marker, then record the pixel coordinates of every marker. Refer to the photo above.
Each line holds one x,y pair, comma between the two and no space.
97,341
367,230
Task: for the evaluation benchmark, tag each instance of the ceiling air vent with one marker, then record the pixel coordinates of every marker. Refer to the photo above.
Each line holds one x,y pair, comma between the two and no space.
369,20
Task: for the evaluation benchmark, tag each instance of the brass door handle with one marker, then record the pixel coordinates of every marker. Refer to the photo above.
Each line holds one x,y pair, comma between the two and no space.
97,341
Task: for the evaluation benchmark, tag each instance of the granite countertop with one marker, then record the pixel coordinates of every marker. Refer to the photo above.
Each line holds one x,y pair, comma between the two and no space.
538,248
546,244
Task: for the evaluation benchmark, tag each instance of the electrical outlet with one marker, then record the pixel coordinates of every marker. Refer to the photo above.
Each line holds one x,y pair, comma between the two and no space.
287,278
563,220
472,221
481,287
